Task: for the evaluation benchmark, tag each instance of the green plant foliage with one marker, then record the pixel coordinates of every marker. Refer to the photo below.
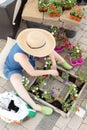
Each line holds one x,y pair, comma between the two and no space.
77,11
82,76
68,3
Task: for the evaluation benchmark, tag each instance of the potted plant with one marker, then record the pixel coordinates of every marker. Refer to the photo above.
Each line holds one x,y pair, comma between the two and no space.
54,11
49,95
56,2
68,4
73,96
60,37
75,54
42,5
82,77
77,13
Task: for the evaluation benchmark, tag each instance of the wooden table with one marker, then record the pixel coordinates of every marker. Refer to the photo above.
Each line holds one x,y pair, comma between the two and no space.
31,13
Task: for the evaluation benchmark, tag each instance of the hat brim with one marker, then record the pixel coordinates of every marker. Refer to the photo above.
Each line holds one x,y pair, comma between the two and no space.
39,52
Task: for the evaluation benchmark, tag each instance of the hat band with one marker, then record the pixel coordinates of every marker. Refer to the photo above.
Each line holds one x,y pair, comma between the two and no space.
35,47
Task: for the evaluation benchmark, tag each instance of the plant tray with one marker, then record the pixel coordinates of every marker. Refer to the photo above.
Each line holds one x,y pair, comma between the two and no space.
56,83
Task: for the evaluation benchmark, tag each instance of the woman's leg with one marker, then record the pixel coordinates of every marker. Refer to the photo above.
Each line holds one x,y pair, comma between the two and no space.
16,80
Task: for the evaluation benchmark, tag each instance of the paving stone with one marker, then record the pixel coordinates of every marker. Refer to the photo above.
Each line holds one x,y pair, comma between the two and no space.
83,94
85,120
62,122
79,34
84,49
2,124
84,39
8,86
31,124
2,43
75,122
48,122
83,127
2,82
2,90
14,127
55,128
84,103
67,129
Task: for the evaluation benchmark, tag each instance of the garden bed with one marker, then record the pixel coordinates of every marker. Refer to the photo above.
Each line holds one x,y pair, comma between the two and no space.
58,89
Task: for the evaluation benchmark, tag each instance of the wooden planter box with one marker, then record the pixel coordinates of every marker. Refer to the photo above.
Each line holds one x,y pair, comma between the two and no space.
58,85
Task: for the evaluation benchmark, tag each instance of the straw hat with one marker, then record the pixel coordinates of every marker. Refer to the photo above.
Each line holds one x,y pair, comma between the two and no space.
36,42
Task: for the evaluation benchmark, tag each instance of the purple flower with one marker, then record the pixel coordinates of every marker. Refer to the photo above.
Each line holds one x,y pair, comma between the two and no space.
52,92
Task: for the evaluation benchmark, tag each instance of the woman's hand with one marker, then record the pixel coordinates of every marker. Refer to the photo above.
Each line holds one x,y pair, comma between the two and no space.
54,67
54,72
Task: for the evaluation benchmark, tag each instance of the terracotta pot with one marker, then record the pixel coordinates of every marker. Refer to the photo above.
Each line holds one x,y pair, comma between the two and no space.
43,9
54,15
75,18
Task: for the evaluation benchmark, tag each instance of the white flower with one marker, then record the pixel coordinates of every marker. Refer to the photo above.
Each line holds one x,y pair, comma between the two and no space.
36,88
46,63
45,92
45,58
52,33
69,1
33,90
78,51
76,47
25,84
45,83
74,89
76,95
28,82
23,77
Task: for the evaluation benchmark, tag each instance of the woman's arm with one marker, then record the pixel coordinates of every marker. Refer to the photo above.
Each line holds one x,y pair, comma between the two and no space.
24,62
52,57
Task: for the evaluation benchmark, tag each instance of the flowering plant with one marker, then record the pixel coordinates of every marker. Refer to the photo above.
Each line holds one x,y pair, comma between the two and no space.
75,51
25,82
49,95
67,4
73,96
42,5
60,37
77,11
47,64
82,76
56,2
54,10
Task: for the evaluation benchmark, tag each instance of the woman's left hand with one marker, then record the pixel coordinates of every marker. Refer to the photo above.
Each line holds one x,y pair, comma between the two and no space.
54,67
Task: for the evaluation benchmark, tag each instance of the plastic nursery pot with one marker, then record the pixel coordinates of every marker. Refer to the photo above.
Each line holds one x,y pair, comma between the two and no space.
59,49
73,62
80,61
54,15
75,18
43,9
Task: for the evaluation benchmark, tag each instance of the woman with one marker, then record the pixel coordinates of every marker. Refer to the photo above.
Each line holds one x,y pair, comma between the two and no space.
32,42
